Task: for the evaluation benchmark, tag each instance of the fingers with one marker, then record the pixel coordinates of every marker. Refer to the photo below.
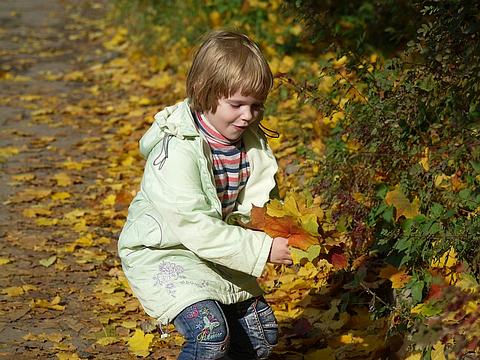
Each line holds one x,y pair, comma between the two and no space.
280,253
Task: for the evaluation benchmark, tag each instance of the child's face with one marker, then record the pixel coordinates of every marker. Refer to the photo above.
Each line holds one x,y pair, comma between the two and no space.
234,114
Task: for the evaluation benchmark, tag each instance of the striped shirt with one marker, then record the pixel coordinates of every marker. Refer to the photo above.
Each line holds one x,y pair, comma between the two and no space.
230,164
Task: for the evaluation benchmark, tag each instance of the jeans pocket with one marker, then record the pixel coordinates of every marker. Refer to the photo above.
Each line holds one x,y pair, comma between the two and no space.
267,320
205,330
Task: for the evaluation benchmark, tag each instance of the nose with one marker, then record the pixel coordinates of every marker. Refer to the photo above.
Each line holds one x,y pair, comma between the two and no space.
247,113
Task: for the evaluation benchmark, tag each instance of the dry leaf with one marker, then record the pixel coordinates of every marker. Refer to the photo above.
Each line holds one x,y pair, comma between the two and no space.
49,261
402,205
139,343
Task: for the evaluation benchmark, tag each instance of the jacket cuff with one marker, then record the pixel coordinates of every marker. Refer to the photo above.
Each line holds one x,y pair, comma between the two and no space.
263,256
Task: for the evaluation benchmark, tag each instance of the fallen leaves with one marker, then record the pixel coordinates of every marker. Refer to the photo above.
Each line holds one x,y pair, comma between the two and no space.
54,304
139,343
48,261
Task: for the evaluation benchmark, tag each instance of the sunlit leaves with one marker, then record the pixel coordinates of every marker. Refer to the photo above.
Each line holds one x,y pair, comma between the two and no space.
402,205
398,277
139,343
281,227
54,304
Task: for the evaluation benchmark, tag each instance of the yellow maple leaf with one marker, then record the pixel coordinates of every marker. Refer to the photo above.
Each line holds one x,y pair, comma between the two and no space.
43,221
350,338
67,356
35,211
109,200
402,205
23,178
107,340
85,241
438,352
286,64
471,307
125,130
448,259
158,82
73,165
60,196
4,261
62,179
424,161
53,305
13,291
129,324
80,225
30,194
139,343
442,181
215,19
399,279
387,271
118,39
6,152
275,208
311,253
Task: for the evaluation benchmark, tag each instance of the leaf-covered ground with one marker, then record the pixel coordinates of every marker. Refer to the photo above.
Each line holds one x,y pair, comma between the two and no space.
75,99
62,294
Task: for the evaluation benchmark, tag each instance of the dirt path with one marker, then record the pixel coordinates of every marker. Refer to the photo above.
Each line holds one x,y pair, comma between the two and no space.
56,251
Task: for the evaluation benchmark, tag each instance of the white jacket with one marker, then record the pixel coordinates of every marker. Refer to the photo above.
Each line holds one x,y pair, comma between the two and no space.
175,248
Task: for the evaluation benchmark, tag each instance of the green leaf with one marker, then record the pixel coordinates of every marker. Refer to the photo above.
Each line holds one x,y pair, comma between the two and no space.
465,194
436,210
342,224
426,84
417,290
311,253
476,166
388,214
403,244
382,191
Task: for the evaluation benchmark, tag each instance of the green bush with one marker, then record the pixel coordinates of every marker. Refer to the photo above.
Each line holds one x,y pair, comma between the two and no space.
154,23
426,108
358,25
410,123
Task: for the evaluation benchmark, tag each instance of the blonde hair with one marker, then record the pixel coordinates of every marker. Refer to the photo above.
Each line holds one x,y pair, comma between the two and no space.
225,63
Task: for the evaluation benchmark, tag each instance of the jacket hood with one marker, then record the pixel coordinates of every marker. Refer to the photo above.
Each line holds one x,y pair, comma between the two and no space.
170,122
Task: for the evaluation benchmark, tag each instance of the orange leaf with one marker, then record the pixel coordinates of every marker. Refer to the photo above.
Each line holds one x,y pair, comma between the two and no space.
280,227
338,260
435,292
302,241
257,218
399,279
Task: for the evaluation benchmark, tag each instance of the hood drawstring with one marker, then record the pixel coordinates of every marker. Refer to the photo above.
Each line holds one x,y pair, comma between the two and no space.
268,132
162,157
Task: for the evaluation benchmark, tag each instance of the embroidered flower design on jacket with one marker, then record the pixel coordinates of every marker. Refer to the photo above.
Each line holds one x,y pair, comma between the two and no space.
169,276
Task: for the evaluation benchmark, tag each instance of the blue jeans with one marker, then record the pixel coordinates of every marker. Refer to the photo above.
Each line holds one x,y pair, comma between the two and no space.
242,331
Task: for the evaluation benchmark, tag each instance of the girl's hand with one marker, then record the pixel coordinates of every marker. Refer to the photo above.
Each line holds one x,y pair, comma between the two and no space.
279,253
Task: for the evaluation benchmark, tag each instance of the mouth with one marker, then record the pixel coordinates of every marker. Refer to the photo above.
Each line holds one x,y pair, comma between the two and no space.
239,127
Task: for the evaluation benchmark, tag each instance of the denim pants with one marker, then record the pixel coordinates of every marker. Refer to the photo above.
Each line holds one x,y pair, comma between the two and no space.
242,331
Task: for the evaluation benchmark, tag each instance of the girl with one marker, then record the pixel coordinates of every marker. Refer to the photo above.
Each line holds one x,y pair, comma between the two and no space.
207,162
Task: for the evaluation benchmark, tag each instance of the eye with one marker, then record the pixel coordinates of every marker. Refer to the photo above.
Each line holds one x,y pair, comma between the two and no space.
235,106
258,107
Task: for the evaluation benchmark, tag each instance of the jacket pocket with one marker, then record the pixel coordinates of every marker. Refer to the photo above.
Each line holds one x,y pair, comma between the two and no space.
144,230
149,230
